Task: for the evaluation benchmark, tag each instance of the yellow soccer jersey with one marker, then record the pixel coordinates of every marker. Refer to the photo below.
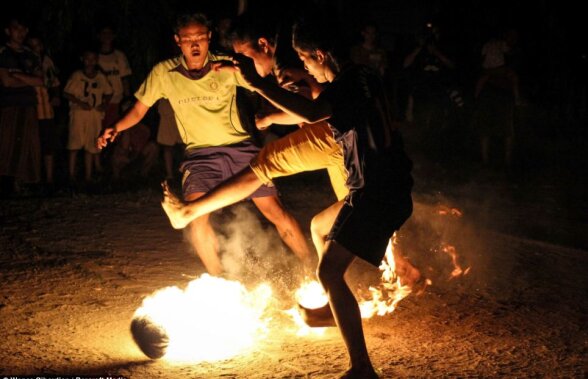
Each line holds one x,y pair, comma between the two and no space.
204,103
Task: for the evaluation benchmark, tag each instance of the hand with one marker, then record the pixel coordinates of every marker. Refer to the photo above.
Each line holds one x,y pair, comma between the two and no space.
262,122
109,135
291,75
223,65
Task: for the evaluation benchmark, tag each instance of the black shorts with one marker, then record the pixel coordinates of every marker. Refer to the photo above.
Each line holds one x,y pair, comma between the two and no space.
365,224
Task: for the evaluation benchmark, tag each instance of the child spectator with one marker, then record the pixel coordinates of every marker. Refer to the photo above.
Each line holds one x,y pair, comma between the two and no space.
88,92
115,66
47,98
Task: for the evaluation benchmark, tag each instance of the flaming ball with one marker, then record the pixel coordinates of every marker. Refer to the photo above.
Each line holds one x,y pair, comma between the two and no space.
151,338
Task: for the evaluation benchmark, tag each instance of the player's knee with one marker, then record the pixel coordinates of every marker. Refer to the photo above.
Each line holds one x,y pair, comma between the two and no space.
317,227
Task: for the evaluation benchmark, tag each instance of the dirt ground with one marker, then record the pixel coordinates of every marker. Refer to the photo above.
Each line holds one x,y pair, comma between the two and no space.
74,270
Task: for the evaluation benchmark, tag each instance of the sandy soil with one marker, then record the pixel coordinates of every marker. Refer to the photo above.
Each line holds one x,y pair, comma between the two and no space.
74,270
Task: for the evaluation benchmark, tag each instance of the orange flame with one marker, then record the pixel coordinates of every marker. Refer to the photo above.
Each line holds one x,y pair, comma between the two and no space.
212,319
386,296
452,252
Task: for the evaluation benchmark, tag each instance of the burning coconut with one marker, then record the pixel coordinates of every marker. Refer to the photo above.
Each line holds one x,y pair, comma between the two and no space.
195,325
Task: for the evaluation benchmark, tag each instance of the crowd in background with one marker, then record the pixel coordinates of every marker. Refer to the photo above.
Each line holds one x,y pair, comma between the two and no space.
488,114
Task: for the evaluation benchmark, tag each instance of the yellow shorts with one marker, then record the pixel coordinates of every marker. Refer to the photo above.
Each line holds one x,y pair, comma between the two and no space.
310,148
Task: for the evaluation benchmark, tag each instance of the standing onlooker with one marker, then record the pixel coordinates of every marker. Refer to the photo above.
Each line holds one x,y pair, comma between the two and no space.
20,72
47,98
497,95
88,92
495,69
168,135
115,66
369,52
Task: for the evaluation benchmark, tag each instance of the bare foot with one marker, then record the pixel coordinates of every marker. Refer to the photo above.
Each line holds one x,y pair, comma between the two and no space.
174,208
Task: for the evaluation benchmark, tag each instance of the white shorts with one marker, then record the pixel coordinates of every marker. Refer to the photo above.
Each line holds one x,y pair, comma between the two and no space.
84,129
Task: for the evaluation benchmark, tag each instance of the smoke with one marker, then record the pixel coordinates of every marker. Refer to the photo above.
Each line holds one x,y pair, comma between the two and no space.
441,240
251,250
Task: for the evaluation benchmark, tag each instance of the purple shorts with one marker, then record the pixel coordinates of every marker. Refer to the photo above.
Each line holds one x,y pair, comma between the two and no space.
204,169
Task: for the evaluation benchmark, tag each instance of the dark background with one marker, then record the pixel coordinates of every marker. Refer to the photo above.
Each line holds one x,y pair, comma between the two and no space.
551,128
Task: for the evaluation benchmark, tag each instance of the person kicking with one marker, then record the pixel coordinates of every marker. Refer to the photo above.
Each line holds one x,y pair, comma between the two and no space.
217,144
379,179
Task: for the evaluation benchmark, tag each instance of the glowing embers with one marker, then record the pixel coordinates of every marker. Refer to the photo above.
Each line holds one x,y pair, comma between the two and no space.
313,309
212,319
384,298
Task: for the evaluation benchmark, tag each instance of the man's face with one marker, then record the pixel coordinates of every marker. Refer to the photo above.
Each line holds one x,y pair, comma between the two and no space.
106,36
193,39
264,61
312,65
16,32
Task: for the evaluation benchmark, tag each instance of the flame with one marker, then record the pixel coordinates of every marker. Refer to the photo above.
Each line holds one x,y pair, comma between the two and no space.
380,300
310,295
444,210
386,296
212,319
452,252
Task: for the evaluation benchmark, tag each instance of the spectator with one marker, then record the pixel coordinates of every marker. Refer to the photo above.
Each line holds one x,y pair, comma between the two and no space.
494,68
47,98
20,73
369,52
88,92
115,66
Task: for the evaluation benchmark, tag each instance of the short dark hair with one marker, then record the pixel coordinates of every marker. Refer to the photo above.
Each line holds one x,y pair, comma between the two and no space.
315,32
250,28
191,18
19,19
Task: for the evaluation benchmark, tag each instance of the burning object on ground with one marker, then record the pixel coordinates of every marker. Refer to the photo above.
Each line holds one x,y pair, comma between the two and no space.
150,337
317,317
211,319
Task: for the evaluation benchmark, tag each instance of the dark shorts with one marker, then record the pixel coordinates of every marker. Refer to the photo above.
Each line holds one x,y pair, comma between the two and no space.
204,169
48,135
365,224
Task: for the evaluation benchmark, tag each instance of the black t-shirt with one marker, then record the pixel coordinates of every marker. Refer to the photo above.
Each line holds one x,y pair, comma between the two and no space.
362,123
24,61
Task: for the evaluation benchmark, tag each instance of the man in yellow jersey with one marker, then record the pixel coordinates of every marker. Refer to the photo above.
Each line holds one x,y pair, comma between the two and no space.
217,145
